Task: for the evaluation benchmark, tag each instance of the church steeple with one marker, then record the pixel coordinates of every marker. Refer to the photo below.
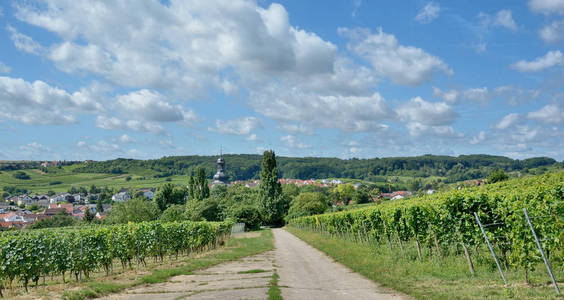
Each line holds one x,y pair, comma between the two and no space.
220,177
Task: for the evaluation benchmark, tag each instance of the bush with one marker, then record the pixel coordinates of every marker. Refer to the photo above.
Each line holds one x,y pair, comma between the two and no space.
21,175
497,176
174,213
248,214
307,204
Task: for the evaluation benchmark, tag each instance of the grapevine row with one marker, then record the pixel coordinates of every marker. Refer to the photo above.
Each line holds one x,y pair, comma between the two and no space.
29,255
445,219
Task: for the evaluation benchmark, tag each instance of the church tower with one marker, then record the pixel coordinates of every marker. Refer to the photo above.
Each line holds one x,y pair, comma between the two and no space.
220,177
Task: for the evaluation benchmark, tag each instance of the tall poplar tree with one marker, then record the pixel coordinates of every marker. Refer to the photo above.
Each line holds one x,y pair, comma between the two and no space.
270,190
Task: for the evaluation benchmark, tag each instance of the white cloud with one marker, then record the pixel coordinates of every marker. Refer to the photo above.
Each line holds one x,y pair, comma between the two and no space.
113,123
185,45
349,113
404,65
40,103
550,113
479,138
292,142
240,126
4,68
100,146
297,129
553,33
24,42
550,59
504,18
253,138
34,147
149,106
428,13
126,139
451,96
507,121
423,112
444,131
547,6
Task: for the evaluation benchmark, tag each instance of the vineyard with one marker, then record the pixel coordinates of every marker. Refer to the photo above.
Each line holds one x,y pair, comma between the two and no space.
28,256
444,223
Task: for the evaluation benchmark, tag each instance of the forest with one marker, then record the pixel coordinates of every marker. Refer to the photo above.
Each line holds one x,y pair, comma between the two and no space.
247,166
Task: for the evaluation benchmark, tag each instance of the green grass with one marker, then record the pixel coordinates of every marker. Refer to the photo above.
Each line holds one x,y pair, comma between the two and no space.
274,289
40,182
234,249
252,271
434,278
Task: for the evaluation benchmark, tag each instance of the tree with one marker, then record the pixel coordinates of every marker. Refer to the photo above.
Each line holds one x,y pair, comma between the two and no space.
134,210
201,189
307,204
191,187
345,192
174,213
248,214
89,215
497,175
270,190
61,219
99,206
167,194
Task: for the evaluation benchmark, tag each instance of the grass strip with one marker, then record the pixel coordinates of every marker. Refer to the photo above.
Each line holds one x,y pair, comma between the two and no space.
273,288
432,278
234,249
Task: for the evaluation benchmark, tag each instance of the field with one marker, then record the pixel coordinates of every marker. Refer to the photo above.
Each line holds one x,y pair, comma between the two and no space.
42,182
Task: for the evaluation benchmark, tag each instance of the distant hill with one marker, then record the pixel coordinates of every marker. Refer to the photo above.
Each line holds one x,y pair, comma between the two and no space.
247,166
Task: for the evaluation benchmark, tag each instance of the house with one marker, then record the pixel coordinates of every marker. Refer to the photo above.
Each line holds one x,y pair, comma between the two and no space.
121,197
49,212
13,224
11,217
148,193
24,200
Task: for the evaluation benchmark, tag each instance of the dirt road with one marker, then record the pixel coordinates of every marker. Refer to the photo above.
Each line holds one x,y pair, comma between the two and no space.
307,273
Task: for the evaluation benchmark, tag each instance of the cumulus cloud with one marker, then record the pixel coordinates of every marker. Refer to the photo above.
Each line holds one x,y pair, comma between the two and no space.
39,103
349,113
513,95
24,42
241,126
507,121
428,13
292,142
4,68
503,18
406,65
114,123
100,146
547,6
184,45
34,147
550,59
252,138
553,33
450,96
427,113
126,139
478,138
550,113
297,129
150,106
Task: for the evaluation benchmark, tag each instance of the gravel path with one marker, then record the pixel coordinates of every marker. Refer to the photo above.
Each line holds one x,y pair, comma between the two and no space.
230,280
307,273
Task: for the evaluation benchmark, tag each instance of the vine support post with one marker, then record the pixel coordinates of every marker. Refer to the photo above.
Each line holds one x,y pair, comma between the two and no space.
542,252
81,263
418,249
137,252
467,254
491,249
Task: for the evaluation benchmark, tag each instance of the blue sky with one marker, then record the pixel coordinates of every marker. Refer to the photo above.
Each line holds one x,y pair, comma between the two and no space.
145,79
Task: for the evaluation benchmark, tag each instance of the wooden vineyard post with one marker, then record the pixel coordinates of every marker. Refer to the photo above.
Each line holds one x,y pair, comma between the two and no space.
418,249
437,244
542,252
491,249
467,254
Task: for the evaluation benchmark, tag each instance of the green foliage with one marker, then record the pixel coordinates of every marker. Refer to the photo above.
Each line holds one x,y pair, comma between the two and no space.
134,210
497,176
200,189
168,194
307,204
30,254
445,219
199,210
174,213
61,219
248,214
270,190
21,175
